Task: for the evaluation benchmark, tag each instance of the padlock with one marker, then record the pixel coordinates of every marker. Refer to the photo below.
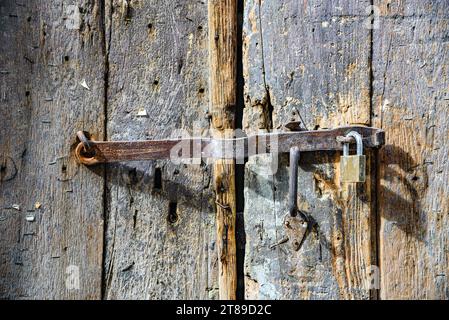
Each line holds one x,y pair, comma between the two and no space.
352,167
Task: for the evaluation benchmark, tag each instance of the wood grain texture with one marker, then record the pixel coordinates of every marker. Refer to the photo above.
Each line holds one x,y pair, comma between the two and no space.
160,235
223,87
411,100
56,229
308,57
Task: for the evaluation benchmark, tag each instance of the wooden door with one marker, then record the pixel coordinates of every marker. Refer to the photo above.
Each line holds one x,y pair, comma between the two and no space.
52,83
159,222
307,61
133,69
120,70
332,63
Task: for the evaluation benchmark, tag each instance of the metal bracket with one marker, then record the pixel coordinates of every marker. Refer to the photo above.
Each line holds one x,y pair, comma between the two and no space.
295,222
296,230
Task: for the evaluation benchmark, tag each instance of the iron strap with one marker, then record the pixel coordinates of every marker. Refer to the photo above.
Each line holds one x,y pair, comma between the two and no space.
91,152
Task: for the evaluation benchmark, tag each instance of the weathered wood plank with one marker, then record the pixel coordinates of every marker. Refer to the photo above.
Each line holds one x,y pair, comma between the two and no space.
52,247
411,99
310,57
160,238
223,87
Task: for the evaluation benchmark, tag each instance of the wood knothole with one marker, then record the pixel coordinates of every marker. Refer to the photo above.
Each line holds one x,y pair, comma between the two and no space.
8,169
157,183
172,212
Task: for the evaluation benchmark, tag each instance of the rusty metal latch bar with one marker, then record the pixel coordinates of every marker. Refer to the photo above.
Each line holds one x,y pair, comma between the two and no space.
91,152
296,223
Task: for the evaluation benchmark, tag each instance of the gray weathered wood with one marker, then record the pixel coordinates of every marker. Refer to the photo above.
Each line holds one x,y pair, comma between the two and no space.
58,229
411,100
310,57
160,236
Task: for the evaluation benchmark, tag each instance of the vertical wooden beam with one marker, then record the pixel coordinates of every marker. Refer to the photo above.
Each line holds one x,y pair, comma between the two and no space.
222,64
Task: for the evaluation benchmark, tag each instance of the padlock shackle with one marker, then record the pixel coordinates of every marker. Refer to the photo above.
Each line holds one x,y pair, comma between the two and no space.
358,141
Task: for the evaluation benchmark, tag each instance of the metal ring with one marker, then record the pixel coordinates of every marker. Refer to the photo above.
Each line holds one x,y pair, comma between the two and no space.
82,158
84,140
